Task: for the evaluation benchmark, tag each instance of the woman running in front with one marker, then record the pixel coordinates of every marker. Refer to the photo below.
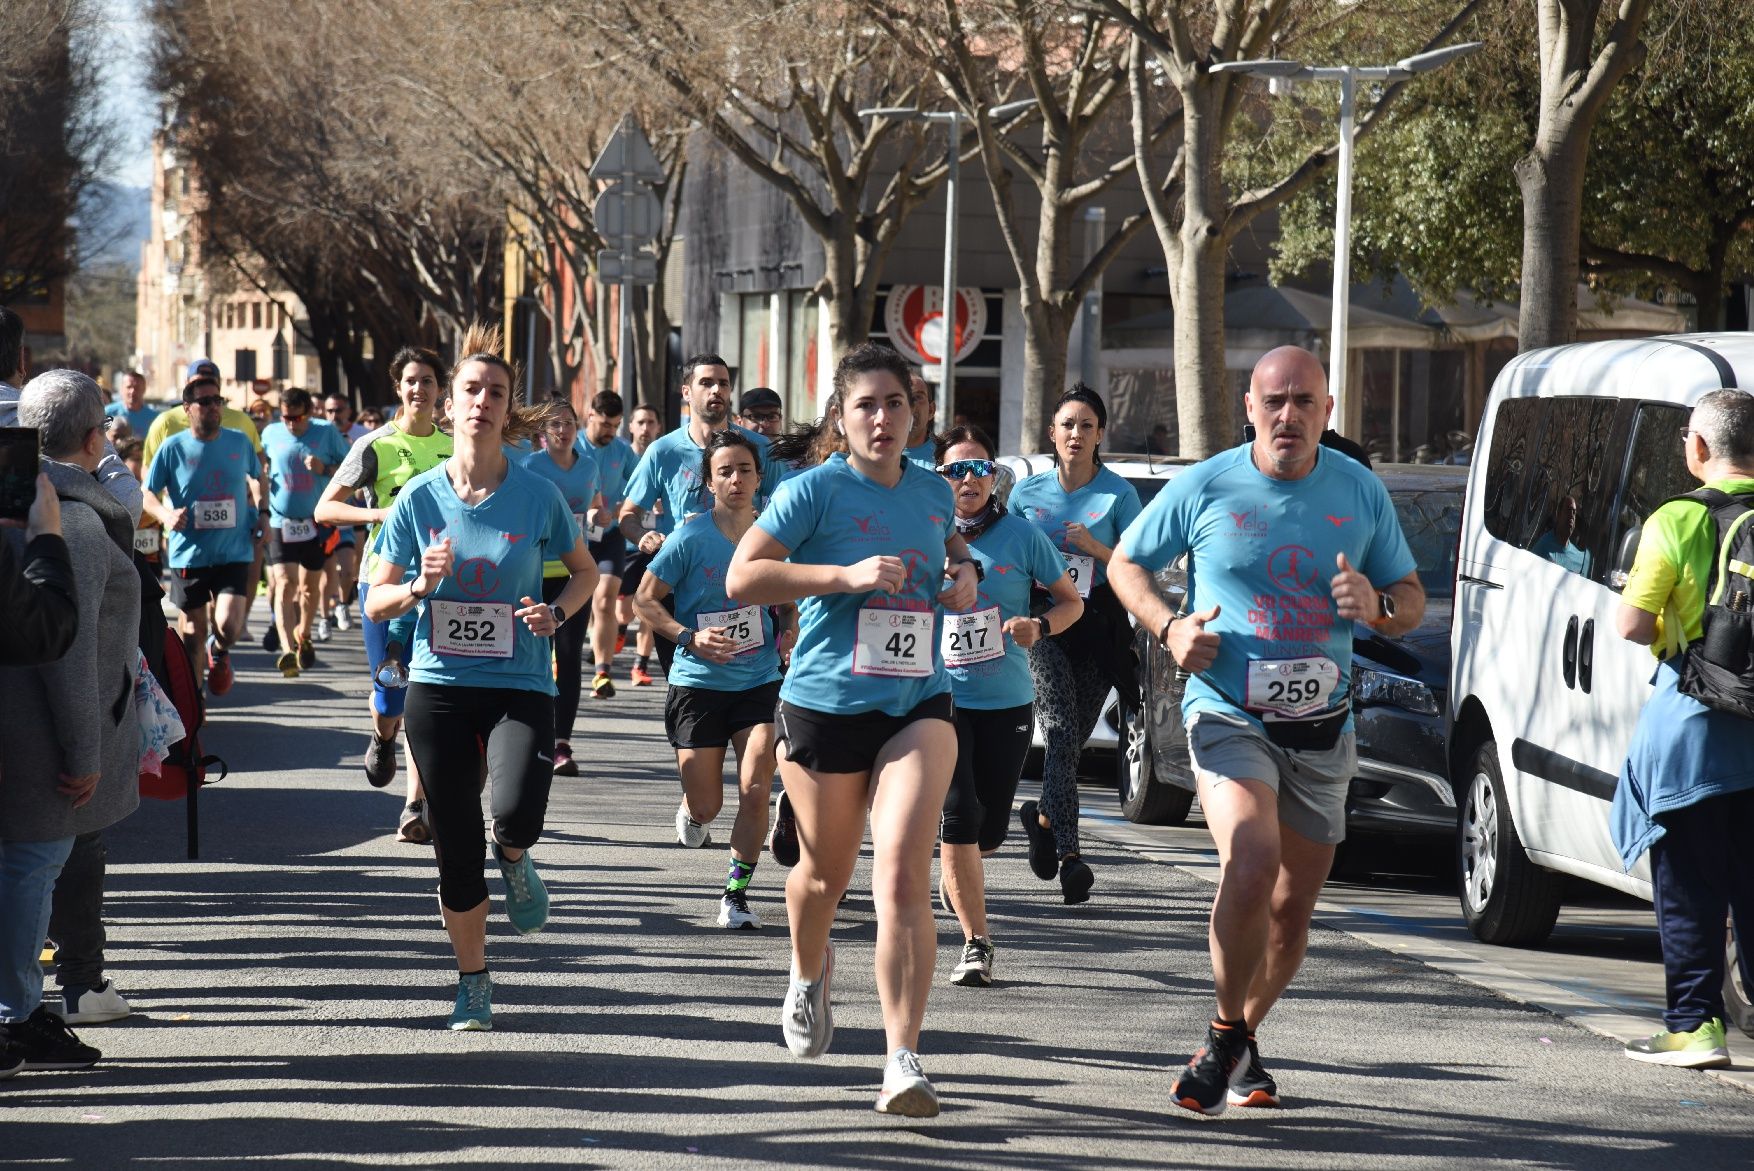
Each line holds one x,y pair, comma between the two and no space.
725,680
986,651
867,541
576,475
475,530
1083,507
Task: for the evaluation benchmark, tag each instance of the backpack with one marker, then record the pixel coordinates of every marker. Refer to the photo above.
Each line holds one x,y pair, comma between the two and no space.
1718,669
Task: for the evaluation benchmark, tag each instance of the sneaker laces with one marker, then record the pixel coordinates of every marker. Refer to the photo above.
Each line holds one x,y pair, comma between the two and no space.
475,995
738,899
907,1063
975,952
803,1008
516,876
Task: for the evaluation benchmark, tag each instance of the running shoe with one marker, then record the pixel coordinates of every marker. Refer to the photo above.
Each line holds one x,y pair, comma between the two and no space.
93,1006
1703,1048
975,970
1215,1069
307,654
11,1055
690,832
807,1018
342,619
1043,858
288,664
905,1089
1075,880
320,629
602,687
380,760
218,668
734,912
526,899
271,639
474,1011
48,1043
413,828
1256,1087
784,843
640,677
620,641
564,764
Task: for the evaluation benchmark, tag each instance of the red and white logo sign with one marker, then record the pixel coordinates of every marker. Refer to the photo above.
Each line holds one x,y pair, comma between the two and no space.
918,325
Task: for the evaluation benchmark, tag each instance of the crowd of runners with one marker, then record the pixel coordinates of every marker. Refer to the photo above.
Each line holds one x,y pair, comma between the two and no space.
848,602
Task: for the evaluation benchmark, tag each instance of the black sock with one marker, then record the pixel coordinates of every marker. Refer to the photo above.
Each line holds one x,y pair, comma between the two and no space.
644,662
478,972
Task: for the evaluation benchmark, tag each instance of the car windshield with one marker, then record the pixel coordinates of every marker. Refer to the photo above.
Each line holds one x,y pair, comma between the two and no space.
1431,518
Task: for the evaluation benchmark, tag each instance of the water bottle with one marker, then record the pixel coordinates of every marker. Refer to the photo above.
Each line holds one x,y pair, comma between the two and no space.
391,674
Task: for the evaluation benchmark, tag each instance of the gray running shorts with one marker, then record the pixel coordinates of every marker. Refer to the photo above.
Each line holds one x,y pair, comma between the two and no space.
1311,786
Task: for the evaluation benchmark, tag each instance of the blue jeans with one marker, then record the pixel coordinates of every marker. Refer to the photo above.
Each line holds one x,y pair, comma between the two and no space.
27,880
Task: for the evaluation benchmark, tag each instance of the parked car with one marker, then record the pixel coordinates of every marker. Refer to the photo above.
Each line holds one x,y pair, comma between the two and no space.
1398,686
1576,448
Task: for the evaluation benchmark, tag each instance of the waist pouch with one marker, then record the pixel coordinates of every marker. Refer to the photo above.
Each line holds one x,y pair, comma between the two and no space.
1312,735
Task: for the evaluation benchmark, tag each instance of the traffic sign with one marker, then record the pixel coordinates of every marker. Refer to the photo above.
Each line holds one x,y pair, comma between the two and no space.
629,214
637,268
628,155
908,309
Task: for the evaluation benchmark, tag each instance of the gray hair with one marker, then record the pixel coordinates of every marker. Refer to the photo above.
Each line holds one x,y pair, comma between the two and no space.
64,406
1725,420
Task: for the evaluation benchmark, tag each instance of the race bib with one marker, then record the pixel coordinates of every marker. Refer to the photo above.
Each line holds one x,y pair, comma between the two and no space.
294,531
147,541
216,514
895,643
471,630
1291,687
589,531
1083,571
742,626
972,638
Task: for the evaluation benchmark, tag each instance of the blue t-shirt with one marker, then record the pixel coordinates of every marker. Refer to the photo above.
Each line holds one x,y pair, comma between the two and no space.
925,453
1266,551
1014,554
1105,506
693,564
293,489
211,479
833,515
497,547
615,461
670,470
578,484
138,420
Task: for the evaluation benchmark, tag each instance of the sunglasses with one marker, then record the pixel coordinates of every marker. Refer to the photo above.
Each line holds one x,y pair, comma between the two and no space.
967,467
209,400
286,418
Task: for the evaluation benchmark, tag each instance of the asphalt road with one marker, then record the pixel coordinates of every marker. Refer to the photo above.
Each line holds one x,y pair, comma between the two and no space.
291,986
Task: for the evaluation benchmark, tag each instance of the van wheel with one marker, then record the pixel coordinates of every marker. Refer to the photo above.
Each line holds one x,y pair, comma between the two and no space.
1736,990
1146,798
1506,898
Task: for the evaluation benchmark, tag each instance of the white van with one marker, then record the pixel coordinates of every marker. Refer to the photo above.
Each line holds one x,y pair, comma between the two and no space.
1578,445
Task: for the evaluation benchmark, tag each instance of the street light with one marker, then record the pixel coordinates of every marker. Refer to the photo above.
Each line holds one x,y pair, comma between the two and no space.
953,173
1281,75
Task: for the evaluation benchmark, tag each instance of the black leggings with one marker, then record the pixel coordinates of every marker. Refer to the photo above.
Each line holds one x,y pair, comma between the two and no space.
990,747
1069,693
451,731
569,653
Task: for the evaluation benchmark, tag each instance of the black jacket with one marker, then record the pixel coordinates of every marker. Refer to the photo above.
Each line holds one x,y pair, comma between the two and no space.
39,602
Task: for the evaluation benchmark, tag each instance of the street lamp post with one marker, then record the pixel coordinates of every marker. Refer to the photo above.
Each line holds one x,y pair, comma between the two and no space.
1282,74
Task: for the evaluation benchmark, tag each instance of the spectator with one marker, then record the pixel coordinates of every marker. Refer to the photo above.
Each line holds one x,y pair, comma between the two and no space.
37,597
69,737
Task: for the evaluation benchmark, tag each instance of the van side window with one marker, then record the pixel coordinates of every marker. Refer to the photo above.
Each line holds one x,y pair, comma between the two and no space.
1513,432
1565,518
1656,469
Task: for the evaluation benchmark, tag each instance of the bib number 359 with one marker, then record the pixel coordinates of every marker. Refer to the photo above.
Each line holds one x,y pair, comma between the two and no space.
472,630
894,643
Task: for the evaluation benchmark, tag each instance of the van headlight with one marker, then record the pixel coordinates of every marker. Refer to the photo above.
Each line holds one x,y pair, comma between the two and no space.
1398,690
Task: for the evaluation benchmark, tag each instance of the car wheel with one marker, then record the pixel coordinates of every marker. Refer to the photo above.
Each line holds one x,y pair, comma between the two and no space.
1145,798
1736,990
1506,898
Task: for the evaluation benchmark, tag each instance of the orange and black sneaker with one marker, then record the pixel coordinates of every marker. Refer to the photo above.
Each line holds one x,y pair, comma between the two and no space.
1256,1087
1214,1070
640,676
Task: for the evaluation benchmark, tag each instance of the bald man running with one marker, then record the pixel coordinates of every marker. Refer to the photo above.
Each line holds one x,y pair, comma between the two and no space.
1289,545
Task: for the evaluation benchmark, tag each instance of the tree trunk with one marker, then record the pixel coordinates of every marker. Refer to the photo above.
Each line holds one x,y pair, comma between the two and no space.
1204,405
1046,336
849,313
1551,178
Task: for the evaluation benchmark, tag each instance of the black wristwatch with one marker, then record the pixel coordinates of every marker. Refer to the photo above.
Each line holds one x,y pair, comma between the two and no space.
1042,620
979,573
684,639
559,613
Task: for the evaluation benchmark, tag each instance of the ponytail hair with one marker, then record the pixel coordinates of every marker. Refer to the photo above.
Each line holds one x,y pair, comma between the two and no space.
483,342
1080,393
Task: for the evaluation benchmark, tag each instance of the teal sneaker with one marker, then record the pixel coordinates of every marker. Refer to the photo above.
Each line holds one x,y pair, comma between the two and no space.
474,1011
1703,1048
526,899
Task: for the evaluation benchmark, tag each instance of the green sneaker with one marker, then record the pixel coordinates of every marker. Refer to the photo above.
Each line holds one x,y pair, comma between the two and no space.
526,899
1703,1048
474,1011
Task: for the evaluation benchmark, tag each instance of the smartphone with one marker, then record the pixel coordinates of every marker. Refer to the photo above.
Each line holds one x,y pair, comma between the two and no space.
19,466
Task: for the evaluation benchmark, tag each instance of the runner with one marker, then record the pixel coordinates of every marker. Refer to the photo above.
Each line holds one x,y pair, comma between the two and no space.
987,653
575,474
302,454
148,531
130,405
381,464
760,410
1083,507
338,410
642,428
866,540
669,471
615,462
1268,646
204,486
727,668
922,445
463,548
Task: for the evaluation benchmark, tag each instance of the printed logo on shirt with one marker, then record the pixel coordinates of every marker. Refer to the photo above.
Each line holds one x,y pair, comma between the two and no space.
478,577
871,528
1292,567
1337,521
1248,524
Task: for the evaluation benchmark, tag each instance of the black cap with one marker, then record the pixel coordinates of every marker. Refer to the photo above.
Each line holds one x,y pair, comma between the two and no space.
758,398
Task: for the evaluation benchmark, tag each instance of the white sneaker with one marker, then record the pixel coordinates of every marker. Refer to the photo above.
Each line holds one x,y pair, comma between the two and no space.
320,631
342,621
807,1017
734,912
94,1006
905,1088
690,832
